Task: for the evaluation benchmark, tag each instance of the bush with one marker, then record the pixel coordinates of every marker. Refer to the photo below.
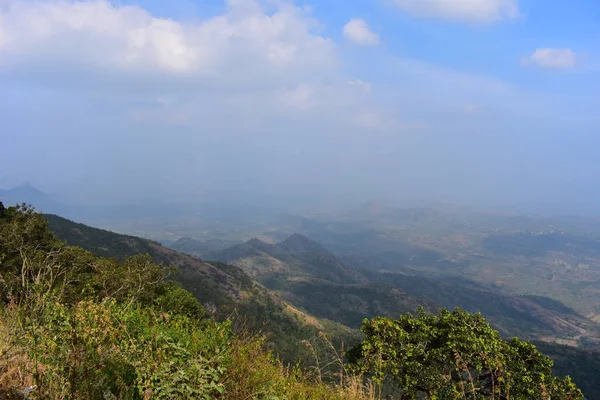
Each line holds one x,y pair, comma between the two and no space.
95,350
455,355
76,326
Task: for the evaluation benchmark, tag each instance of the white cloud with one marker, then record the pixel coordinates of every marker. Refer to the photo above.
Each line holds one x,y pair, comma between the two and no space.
250,66
245,42
472,11
552,58
358,32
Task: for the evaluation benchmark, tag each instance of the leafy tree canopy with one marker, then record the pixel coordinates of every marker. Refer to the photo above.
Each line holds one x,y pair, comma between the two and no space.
455,355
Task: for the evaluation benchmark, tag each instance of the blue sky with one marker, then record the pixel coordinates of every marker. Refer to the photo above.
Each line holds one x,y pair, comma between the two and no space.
474,101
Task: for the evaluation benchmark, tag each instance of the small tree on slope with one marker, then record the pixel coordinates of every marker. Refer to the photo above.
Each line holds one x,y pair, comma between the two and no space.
455,355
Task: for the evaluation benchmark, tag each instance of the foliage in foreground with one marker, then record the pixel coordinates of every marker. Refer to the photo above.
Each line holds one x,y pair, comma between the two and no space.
107,350
226,290
455,355
75,326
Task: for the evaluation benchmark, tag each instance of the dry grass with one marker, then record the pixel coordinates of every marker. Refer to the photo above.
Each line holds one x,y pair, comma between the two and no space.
250,372
253,373
16,368
305,318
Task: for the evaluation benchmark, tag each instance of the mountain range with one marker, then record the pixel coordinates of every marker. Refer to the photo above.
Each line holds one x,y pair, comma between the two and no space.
308,275
224,288
532,277
296,288
445,256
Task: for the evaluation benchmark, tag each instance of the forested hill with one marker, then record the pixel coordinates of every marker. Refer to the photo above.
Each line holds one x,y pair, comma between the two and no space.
230,290
297,256
222,287
207,282
308,275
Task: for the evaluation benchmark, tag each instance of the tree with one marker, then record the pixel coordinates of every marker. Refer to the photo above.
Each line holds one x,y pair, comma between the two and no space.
28,251
454,355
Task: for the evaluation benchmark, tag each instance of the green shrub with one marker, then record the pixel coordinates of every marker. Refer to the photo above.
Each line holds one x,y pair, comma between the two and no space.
455,355
94,350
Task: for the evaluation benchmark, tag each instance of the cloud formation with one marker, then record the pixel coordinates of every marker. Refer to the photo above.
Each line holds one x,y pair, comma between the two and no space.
253,61
471,11
256,97
553,58
93,36
358,32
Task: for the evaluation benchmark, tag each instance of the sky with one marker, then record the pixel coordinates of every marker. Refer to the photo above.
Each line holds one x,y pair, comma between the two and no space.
470,101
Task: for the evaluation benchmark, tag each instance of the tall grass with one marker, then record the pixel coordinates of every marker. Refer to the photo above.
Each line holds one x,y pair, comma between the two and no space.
110,351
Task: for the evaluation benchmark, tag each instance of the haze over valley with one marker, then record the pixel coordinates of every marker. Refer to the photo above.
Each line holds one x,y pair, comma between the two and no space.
531,277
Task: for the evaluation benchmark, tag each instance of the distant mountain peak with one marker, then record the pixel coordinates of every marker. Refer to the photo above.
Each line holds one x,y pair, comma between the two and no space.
255,242
27,193
186,240
297,239
27,188
298,243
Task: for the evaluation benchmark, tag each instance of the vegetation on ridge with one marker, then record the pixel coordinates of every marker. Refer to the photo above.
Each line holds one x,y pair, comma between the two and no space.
226,290
77,326
455,355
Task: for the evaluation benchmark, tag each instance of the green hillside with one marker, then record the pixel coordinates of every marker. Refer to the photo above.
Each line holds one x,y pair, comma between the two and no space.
120,328
77,326
229,288
224,288
297,256
200,248
306,274
529,317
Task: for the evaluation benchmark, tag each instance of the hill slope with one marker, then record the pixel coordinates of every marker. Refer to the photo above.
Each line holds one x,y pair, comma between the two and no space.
231,289
200,248
309,276
523,316
207,282
226,288
306,274
297,256
582,365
